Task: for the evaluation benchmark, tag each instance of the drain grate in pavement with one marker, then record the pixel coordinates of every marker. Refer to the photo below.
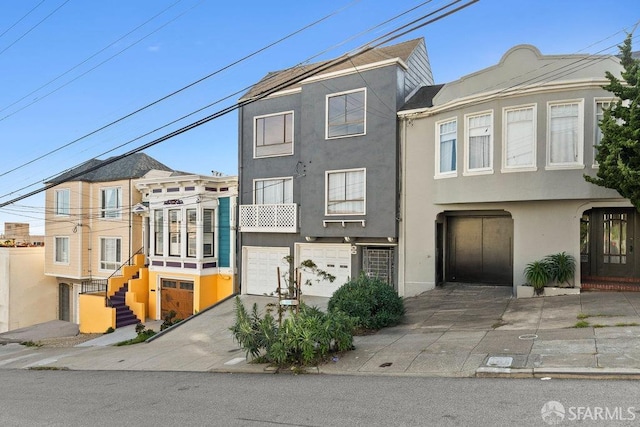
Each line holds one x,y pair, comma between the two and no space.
500,361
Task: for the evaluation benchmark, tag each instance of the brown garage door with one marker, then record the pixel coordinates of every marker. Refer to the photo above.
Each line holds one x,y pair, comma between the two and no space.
479,249
176,295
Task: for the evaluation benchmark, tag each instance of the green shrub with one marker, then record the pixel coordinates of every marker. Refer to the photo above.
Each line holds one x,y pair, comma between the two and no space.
371,301
538,274
304,339
562,267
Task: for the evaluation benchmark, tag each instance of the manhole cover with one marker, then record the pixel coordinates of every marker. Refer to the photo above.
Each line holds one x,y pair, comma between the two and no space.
501,362
528,337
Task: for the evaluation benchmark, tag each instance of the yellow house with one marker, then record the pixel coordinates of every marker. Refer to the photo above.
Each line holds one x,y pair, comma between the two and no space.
131,240
189,238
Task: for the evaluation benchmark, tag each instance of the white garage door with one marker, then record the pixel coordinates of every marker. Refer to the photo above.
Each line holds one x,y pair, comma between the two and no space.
259,268
334,259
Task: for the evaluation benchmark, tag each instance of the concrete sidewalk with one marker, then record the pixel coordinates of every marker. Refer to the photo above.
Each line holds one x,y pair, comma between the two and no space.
454,331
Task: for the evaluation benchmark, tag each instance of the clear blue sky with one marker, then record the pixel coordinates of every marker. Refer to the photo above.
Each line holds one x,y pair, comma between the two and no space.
69,67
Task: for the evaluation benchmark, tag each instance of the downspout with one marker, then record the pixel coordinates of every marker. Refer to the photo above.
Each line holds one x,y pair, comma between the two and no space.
401,222
238,247
130,221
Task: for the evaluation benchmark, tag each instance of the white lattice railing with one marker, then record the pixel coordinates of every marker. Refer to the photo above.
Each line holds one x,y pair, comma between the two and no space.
281,218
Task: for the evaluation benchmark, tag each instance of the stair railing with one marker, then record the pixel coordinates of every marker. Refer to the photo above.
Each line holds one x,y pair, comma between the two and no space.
119,270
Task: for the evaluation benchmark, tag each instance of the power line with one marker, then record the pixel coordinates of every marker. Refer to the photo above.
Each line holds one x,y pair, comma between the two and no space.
21,19
390,36
33,28
218,71
81,63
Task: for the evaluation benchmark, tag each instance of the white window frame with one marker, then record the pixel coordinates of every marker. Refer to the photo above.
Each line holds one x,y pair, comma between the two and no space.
283,180
108,265
467,139
111,212
364,113
597,133
364,192
66,209
454,172
531,167
62,261
255,135
579,148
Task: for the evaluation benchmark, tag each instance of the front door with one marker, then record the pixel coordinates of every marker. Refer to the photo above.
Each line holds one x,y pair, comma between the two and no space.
613,237
64,307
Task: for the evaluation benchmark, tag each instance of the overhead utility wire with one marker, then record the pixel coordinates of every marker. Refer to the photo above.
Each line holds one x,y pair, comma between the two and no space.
21,19
94,67
85,61
33,28
316,70
218,71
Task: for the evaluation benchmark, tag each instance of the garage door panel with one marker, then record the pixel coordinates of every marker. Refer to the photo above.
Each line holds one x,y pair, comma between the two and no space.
480,249
260,266
334,259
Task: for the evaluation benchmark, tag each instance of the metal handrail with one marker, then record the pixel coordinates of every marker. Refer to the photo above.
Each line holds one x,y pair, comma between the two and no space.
119,269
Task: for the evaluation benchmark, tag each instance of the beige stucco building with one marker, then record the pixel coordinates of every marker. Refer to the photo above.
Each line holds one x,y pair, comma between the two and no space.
90,227
27,296
492,176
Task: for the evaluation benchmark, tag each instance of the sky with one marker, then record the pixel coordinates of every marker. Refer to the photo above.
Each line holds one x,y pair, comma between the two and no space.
72,72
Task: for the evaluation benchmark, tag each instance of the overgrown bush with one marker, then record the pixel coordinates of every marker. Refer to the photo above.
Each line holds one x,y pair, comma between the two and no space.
371,301
169,320
304,339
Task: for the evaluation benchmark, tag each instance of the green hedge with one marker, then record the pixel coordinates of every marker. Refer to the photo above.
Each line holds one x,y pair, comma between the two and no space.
371,301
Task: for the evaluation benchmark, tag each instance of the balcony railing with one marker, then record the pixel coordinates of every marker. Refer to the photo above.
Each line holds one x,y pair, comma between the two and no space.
281,218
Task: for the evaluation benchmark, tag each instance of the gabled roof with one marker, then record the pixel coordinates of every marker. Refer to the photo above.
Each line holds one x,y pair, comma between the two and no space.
129,167
273,79
423,98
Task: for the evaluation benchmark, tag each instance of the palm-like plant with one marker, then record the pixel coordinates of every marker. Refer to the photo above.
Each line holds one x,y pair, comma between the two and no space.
562,267
538,274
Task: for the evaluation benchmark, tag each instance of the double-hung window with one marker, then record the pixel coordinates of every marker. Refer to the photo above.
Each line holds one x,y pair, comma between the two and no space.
519,147
273,135
446,137
565,134
175,220
208,224
62,207
479,142
110,253
61,253
158,231
601,106
111,202
273,191
192,229
346,191
346,114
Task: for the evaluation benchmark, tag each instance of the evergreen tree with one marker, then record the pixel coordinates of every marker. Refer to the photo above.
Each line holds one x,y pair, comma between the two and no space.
618,154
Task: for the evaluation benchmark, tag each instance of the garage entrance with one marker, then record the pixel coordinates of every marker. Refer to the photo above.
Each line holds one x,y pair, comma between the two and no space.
335,259
176,295
479,248
260,266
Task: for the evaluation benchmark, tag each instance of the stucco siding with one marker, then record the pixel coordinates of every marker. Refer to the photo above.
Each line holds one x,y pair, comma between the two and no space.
27,296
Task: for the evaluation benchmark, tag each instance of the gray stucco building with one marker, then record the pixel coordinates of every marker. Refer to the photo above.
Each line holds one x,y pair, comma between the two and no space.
319,167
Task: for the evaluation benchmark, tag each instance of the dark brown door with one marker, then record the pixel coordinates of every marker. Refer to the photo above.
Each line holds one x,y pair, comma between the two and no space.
176,296
479,249
613,236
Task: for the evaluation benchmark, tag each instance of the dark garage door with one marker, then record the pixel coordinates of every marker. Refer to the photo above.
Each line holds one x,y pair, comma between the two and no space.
479,249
